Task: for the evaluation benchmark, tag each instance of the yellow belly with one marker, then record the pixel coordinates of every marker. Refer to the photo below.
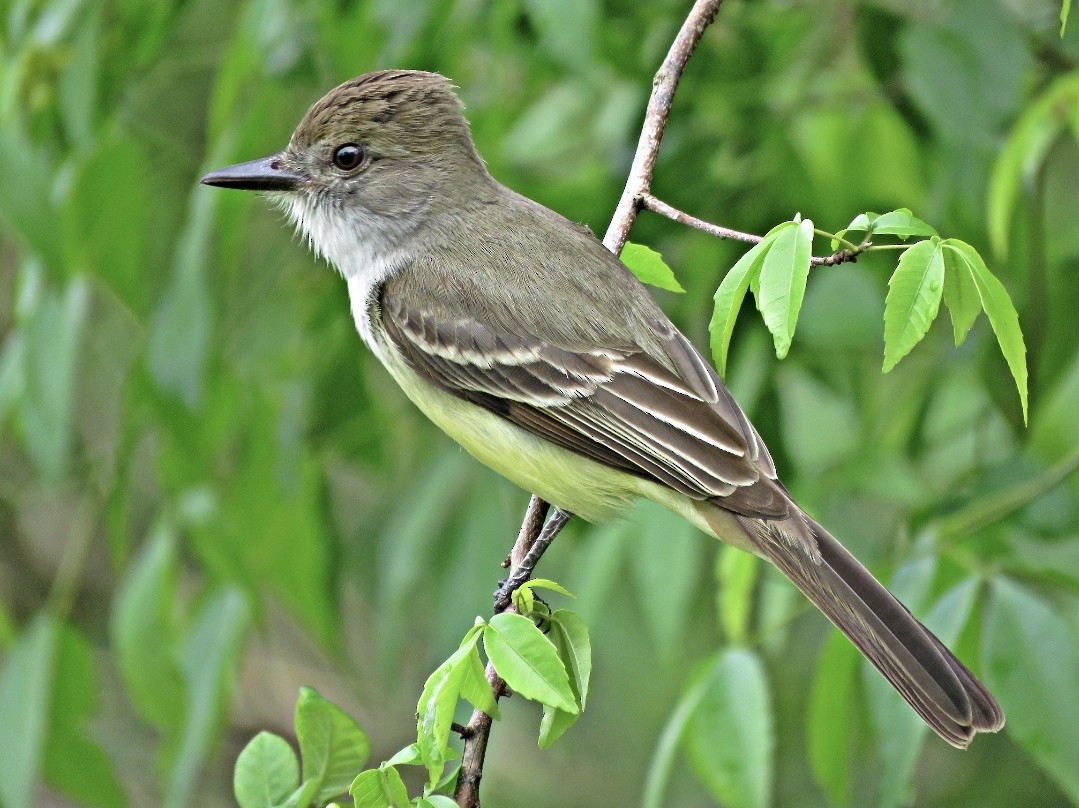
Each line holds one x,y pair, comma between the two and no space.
567,480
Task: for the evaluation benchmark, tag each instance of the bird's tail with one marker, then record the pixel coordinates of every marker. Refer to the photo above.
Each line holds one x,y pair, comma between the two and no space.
936,684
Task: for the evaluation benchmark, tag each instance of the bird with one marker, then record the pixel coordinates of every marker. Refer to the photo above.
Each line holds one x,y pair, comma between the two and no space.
533,346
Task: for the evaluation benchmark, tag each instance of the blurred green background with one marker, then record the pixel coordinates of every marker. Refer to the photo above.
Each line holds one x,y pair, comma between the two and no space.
210,494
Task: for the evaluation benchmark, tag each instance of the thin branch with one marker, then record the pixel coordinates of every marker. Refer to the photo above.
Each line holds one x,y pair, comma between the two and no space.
649,202
664,84
531,540
524,570
656,205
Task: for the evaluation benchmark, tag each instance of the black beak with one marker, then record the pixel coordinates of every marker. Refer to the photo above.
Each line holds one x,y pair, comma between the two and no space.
265,174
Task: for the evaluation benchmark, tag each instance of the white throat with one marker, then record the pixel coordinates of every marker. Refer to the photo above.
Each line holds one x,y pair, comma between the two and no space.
363,248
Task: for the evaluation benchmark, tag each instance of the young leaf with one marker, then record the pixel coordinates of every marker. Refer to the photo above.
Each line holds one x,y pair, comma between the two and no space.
393,785
266,772
474,685
528,661
732,291
367,791
914,293
544,583
902,223
649,267
960,295
783,277
731,737
1032,664
301,797
1002,315
575,649
436,801
860,224
409,756
333,747
438,702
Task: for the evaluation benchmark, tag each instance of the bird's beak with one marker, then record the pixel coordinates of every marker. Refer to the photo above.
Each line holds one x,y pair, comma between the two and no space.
265,174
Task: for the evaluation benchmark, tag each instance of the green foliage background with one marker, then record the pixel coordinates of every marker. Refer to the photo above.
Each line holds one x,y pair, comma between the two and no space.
211,495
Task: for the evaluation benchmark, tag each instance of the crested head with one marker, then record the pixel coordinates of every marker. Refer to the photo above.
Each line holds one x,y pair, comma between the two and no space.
394,113
372,160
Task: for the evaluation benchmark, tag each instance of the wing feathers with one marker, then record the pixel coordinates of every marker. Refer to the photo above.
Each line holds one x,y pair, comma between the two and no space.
626,409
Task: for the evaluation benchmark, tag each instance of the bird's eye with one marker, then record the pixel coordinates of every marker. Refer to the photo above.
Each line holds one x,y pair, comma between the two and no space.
349,157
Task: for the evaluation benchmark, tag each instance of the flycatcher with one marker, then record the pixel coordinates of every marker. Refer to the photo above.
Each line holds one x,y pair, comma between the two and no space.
529,343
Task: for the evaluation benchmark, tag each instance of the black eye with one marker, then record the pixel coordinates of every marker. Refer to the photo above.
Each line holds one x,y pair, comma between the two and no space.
349,157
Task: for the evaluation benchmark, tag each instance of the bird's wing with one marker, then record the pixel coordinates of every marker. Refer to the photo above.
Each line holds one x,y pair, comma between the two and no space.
672,422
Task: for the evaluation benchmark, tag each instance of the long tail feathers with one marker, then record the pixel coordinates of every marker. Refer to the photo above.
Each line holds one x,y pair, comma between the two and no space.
936,684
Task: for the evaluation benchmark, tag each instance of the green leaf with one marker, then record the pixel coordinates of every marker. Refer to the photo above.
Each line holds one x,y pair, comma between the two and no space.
74,763
207,659
77,85
914,293
544,583
669,543
144,633
302,797
821,426
475,688
436,801
783,279
832,715
266,772
26,684
554,724
736,576
649,267
438,702
1032,664
900,222
408,756
960,295
1001,312
860,224
107,216
368,790
732,291
731,737
659,771
1065,7
26,207
333,747
412,532
575,649
528,661
180,329
393,786
53,333
1017,166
